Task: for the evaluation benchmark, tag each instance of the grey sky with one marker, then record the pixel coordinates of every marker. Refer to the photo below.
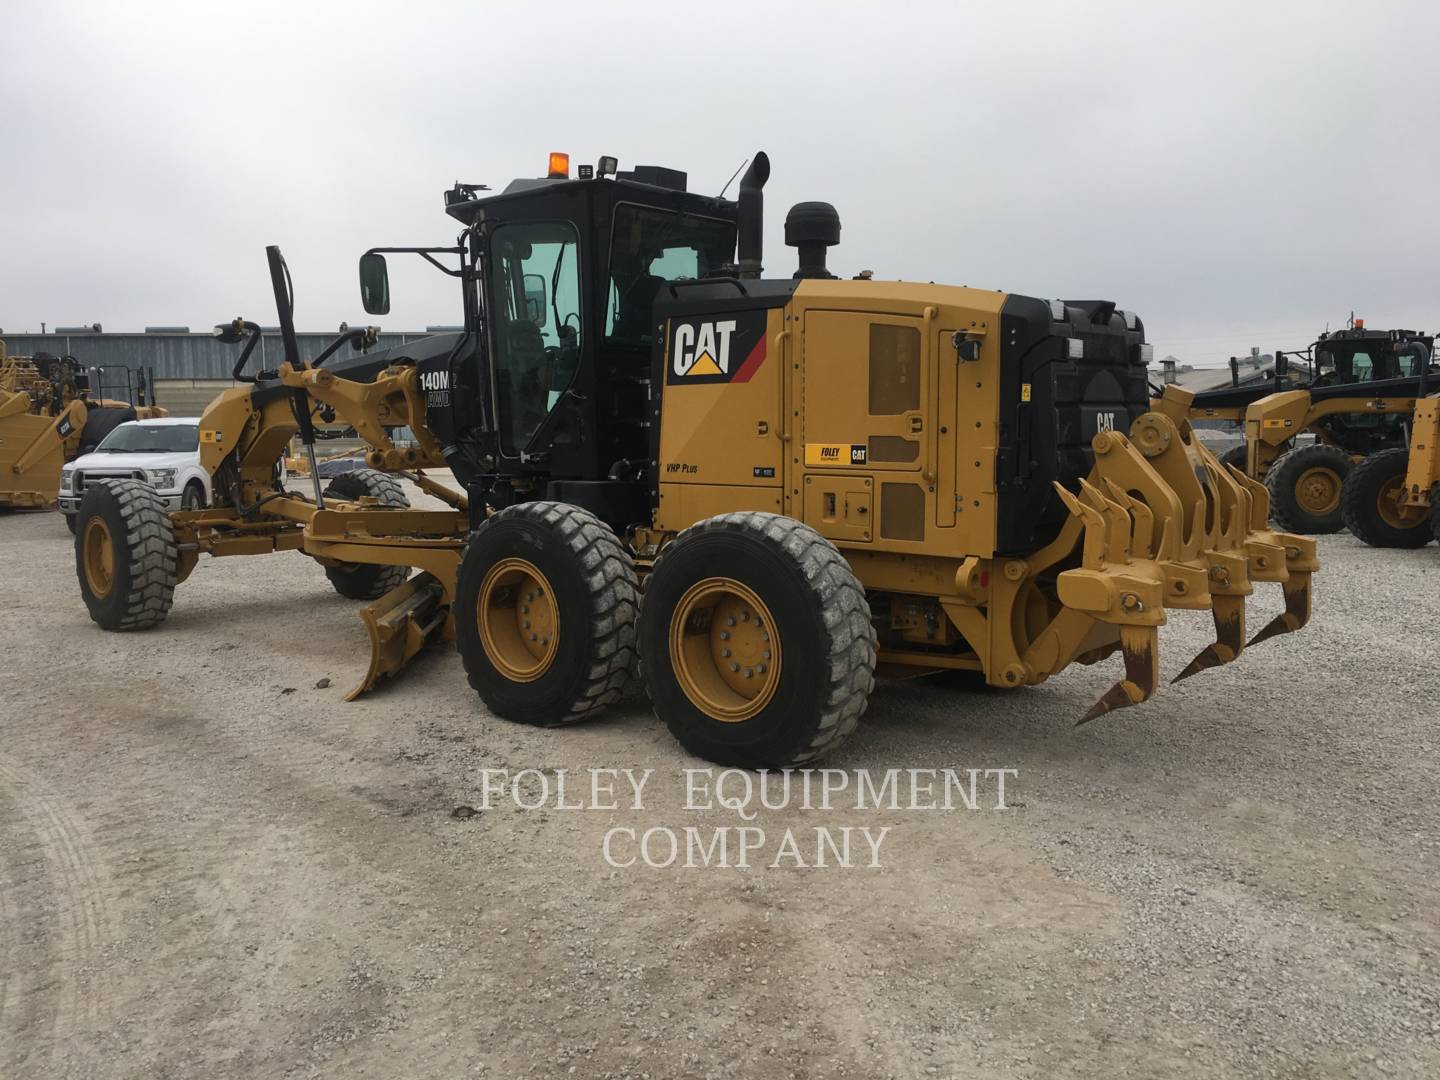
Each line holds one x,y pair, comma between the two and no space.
1238,174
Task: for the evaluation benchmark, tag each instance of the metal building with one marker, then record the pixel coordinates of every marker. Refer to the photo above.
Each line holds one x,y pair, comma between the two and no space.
190,368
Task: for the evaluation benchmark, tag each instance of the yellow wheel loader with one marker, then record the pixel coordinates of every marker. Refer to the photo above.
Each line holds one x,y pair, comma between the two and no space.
817,481
1355,399
48,416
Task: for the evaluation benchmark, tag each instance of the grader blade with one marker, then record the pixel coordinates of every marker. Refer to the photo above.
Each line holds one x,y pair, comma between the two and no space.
1140,646
400,624
1297,609
1229,637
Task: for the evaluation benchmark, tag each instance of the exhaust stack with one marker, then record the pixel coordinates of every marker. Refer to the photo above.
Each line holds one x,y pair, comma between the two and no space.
751,238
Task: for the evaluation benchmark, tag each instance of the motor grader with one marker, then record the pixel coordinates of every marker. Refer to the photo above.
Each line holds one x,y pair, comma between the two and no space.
1389,498
48,416
816,481
1355,399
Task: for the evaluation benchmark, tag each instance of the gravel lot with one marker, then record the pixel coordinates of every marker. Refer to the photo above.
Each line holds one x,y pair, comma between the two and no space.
212,867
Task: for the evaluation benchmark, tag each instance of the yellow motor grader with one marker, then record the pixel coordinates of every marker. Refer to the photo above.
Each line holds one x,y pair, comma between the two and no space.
1355,399
49,416
817,481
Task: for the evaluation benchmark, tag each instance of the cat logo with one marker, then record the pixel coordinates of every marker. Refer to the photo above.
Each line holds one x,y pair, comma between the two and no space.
723,349
702,348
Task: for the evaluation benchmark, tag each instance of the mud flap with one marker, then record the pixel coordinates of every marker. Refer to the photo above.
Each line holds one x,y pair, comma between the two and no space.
400,624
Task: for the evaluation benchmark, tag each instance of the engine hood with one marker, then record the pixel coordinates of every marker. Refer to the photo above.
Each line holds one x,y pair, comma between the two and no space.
99,460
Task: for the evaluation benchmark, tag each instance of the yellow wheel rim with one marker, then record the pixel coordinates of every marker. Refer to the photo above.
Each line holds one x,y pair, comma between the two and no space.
99,557
1318,490
725,650
1393,510
519,620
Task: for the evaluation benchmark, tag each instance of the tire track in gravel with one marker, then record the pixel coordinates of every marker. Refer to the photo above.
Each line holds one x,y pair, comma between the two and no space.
83,921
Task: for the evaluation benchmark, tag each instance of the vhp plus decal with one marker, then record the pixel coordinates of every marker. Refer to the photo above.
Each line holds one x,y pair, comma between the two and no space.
718,349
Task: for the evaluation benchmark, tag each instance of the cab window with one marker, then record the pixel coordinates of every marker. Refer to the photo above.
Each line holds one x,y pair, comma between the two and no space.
535,304
648,248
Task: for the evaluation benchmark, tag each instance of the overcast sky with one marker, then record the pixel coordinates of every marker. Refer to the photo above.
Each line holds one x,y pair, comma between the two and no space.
1238,174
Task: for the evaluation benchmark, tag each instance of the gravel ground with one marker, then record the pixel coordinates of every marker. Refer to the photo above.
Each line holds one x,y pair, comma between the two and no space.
211,865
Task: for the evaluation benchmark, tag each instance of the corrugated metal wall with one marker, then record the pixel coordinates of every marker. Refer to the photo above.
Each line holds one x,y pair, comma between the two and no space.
173,356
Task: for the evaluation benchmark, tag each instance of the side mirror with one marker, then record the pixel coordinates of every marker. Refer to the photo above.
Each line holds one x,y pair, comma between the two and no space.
1282,365
535,307
374,284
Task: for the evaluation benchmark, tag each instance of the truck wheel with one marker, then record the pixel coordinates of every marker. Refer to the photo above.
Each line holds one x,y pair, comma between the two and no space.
366,581
1435,513
756,641
71,521
193,497
1305,488
545,609
1236,455
1371,508
125,555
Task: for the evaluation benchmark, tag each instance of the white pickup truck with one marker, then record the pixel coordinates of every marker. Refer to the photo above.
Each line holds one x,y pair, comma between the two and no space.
163,453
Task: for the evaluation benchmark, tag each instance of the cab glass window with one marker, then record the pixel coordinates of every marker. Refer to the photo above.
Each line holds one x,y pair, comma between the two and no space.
535,305
650,247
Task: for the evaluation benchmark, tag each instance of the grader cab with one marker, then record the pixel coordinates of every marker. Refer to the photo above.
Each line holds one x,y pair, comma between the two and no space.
817,480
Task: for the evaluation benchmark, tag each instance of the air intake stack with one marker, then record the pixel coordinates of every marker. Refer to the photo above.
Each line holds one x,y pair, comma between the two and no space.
812,227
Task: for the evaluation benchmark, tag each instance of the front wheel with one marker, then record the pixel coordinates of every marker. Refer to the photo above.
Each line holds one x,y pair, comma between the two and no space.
366,581
1372,507
1305,486
545,608
125,555
756,641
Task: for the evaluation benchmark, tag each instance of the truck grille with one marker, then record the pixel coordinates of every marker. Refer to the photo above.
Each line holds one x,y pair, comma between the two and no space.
90,476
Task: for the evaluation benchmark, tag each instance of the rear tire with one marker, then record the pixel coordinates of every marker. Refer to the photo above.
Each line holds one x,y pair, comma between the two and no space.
125,555
1370,511
366,581
546,604
790,690
1237,456
1305,486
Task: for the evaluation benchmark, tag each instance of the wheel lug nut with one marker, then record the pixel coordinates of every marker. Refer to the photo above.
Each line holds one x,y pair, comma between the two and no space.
730,621
534,637
525,609
764,637
724,652
749,673
760,669
744,616
734,667
766,654
724,635
526,624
